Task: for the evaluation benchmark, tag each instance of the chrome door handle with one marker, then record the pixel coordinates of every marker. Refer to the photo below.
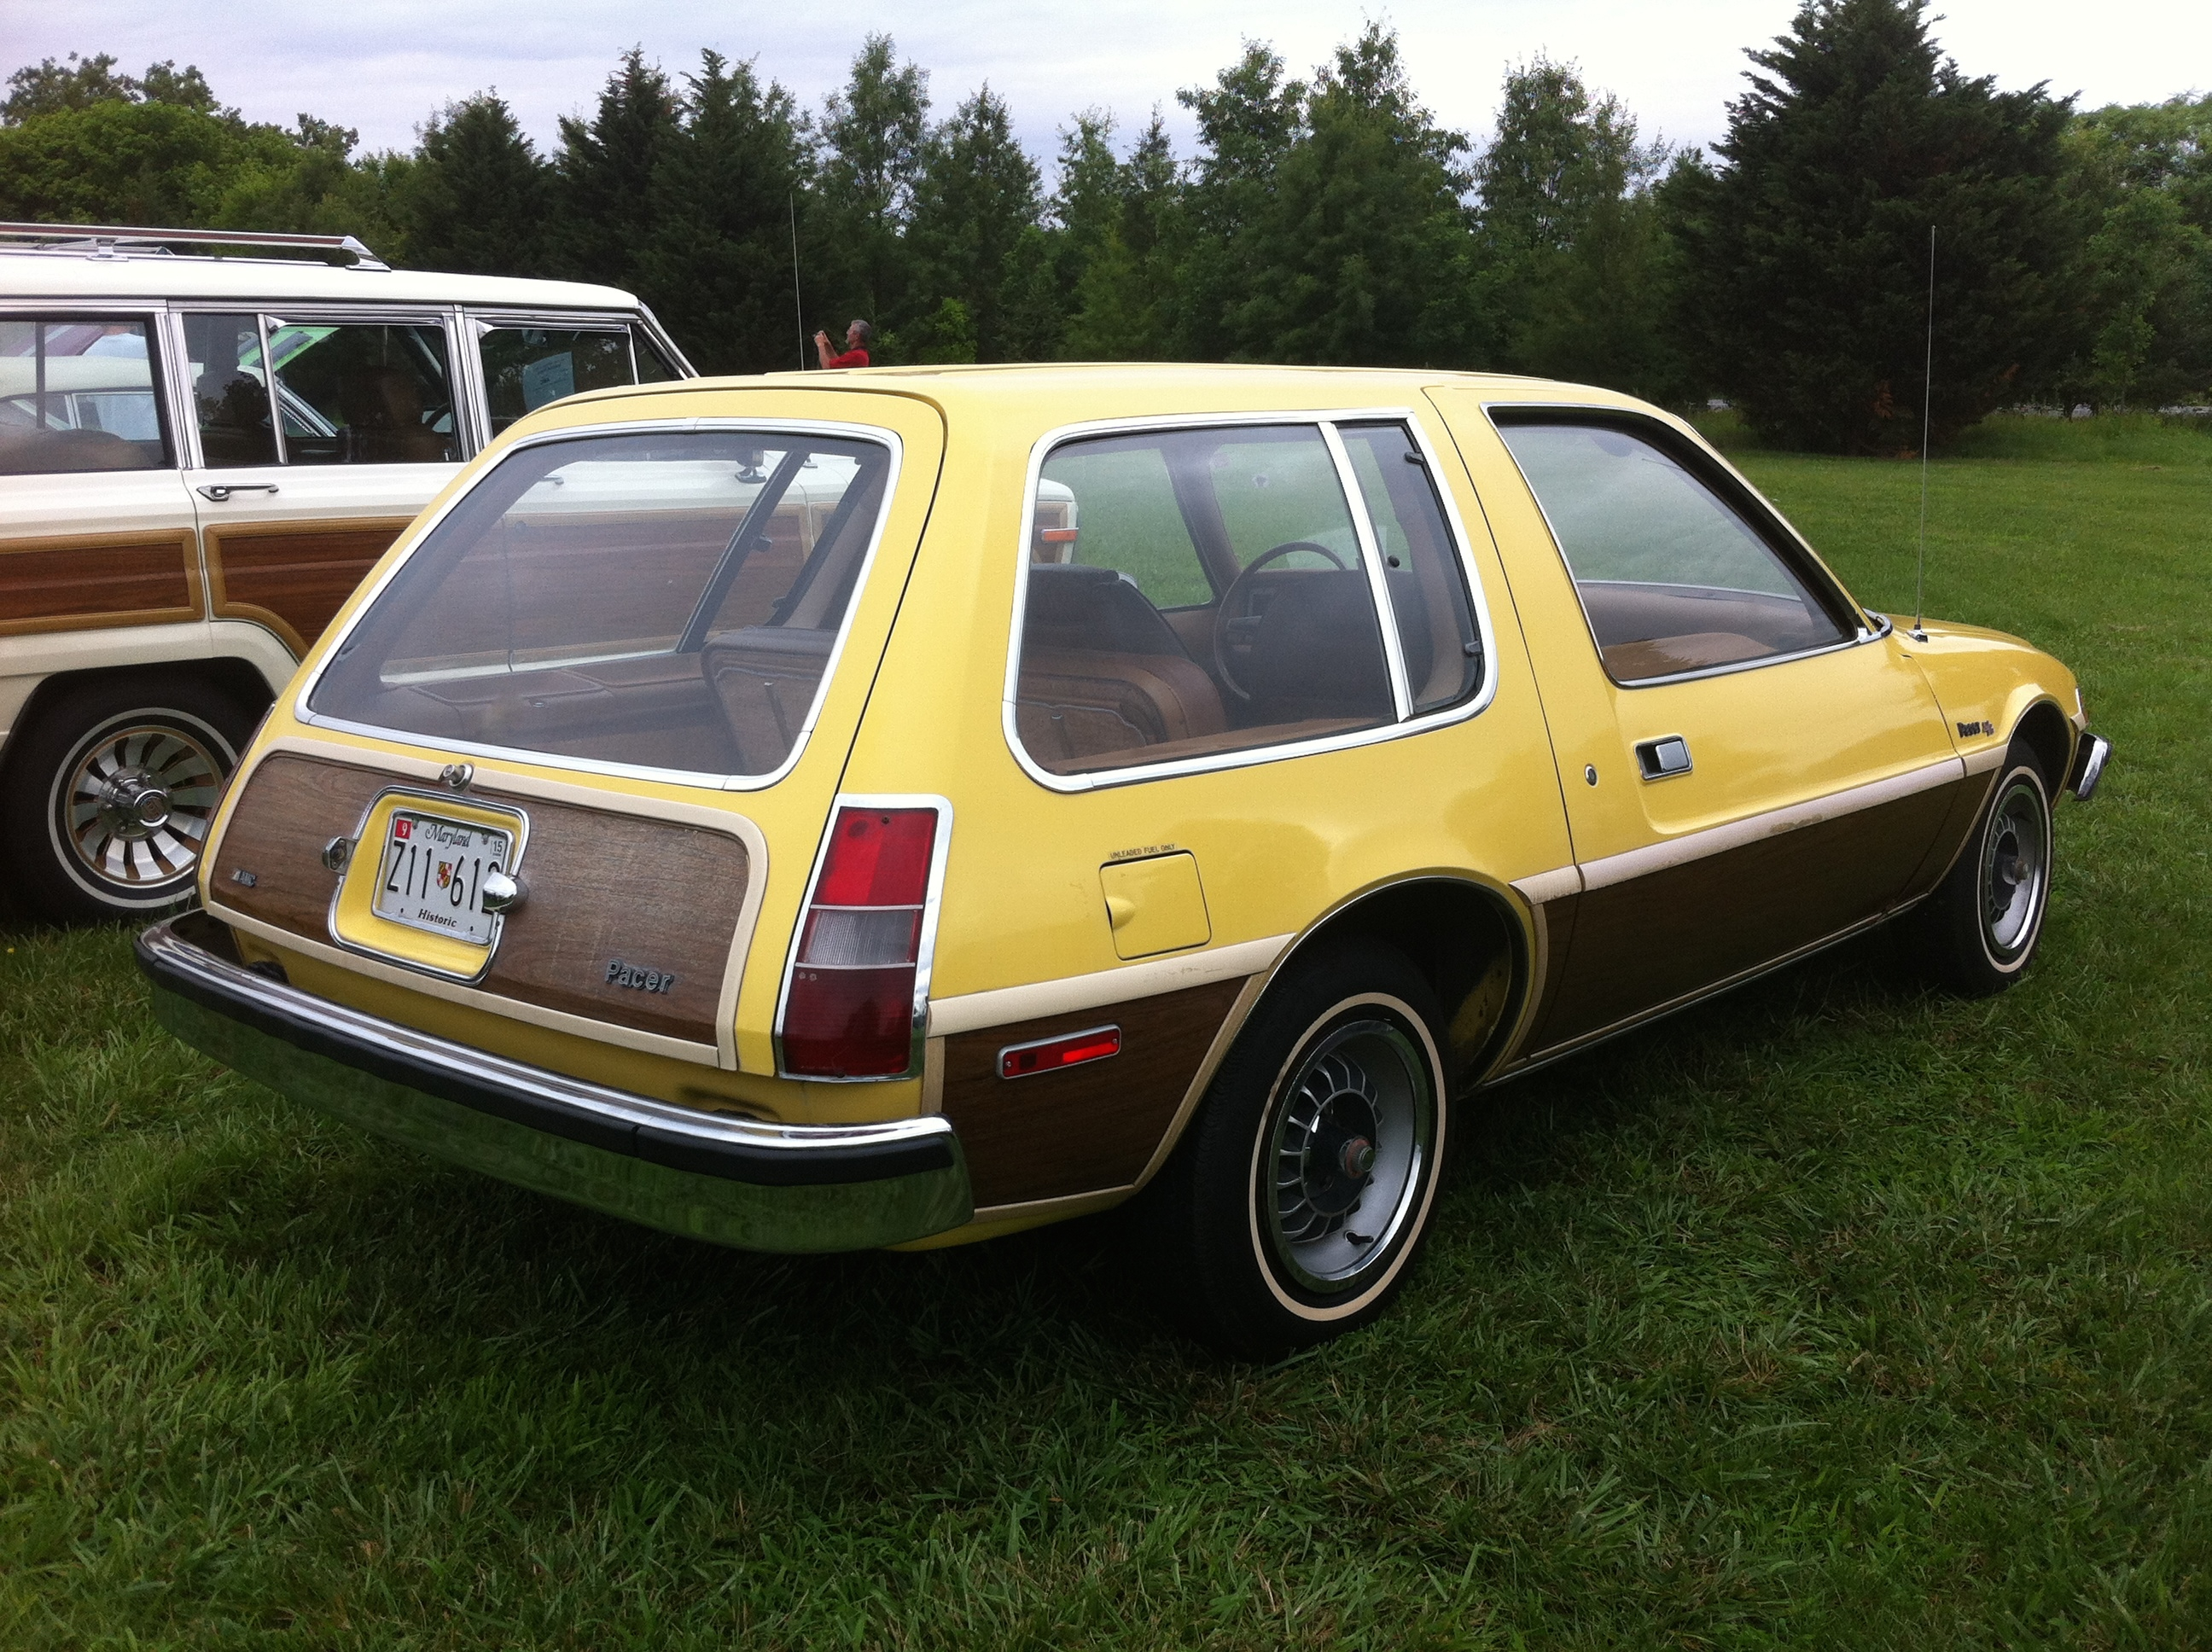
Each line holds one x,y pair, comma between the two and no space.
1662,758
220,491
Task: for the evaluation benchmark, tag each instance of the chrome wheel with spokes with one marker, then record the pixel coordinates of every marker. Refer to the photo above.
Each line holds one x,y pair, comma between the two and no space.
133,810
110,788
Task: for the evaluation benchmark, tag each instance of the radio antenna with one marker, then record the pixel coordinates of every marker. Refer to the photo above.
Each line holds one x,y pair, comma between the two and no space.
798,310
1927,406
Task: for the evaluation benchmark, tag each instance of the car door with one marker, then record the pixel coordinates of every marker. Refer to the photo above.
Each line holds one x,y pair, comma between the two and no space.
95,525
305,475
1751,766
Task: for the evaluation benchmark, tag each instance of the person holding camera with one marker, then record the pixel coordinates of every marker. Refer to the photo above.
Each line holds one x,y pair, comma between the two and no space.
858,336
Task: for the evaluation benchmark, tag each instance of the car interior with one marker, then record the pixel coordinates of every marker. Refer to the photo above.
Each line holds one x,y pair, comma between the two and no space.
682,638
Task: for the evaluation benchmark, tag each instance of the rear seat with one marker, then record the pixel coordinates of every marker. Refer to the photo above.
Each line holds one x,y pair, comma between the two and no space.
1102,671
765,678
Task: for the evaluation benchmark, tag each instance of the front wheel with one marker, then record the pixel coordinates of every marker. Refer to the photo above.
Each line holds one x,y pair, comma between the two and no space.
1978,932
111,792
1292,1208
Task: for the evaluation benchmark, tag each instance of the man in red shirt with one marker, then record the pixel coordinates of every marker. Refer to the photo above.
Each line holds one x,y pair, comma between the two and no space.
858,338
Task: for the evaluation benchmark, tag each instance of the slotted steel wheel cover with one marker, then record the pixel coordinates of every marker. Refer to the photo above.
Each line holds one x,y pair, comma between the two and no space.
2015,868
1347,1153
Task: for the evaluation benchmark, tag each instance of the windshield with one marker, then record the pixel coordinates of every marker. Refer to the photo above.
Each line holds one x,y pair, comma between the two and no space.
660,600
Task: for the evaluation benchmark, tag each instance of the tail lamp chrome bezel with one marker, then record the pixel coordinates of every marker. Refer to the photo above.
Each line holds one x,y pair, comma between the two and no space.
925,947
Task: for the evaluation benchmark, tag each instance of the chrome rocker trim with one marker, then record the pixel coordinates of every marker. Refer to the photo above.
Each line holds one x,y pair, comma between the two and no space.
736,1181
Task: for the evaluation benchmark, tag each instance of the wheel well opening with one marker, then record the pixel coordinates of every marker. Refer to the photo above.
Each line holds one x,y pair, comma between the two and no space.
2050,737
1463,939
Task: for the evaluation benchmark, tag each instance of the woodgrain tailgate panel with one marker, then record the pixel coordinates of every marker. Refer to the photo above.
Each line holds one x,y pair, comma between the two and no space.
602,885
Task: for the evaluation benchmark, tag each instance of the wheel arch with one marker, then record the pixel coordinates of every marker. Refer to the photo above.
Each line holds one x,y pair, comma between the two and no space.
2050,734
1466,938
228,673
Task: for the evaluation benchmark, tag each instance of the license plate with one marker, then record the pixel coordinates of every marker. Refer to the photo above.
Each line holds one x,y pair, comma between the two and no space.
432,872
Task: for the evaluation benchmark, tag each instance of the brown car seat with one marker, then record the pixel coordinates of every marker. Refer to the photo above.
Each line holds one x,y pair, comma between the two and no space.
765,678
1102,671
383,411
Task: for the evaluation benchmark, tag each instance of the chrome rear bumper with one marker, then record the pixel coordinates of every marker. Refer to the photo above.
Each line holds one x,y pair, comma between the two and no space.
736,1181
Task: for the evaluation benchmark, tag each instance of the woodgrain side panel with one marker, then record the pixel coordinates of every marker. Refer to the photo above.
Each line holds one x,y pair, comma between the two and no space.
290,807
1092,1126
84,581
1651,940
292,576
602,886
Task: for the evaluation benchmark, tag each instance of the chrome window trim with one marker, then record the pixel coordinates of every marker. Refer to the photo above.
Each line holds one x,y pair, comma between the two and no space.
423,526
419,794
1584,412
932,901
1363,535
154,313
1326,419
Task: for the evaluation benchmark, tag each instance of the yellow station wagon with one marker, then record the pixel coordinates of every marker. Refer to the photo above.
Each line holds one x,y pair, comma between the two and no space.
901,807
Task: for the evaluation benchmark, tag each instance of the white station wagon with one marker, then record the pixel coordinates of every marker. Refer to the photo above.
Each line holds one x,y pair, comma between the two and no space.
201,453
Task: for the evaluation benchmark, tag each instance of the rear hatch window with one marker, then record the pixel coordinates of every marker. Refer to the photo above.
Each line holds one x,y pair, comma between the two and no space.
654,600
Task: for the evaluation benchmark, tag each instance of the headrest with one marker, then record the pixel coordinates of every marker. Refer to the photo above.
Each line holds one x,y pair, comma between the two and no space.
1075,606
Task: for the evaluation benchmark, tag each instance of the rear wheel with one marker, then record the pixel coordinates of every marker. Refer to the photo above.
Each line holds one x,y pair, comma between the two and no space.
1978,932
1305,1184
111,792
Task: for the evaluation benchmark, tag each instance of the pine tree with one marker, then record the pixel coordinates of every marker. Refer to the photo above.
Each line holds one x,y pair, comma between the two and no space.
1248,120
480,195
1125,303
723,201
605,174
1358,251
873,134
1573,257
976,202
1805,258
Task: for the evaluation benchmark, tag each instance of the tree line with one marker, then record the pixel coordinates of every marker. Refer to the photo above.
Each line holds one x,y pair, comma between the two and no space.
1326,219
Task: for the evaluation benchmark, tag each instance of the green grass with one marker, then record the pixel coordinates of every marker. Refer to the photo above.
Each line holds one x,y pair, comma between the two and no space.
1830,1314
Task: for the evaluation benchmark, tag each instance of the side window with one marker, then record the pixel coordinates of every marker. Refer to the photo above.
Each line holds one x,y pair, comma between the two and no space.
1672,578
1437,632
363,393
77,394
230,395
526,367
1192,592
653,367
351,392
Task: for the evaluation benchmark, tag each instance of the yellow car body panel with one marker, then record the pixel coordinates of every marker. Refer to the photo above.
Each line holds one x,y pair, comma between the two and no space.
1063,900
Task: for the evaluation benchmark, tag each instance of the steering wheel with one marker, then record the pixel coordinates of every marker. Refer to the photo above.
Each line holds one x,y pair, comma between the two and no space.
1233,630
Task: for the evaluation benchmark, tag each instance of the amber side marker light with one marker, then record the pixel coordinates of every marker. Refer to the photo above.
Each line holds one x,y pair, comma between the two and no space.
849,1013
1051,1055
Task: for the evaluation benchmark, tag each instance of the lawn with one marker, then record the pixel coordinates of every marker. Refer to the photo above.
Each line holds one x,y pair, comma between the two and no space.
1829,1314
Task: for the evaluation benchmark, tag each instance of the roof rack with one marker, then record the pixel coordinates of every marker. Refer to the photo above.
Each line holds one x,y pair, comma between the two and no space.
112,240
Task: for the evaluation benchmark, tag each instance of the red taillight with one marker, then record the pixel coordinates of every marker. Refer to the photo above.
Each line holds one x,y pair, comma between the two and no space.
849,1013
1051,1055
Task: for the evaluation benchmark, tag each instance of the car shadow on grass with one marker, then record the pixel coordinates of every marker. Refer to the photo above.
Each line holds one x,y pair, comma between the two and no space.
437,1256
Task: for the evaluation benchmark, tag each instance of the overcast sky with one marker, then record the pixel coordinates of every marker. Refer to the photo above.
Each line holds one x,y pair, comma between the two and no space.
381,65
